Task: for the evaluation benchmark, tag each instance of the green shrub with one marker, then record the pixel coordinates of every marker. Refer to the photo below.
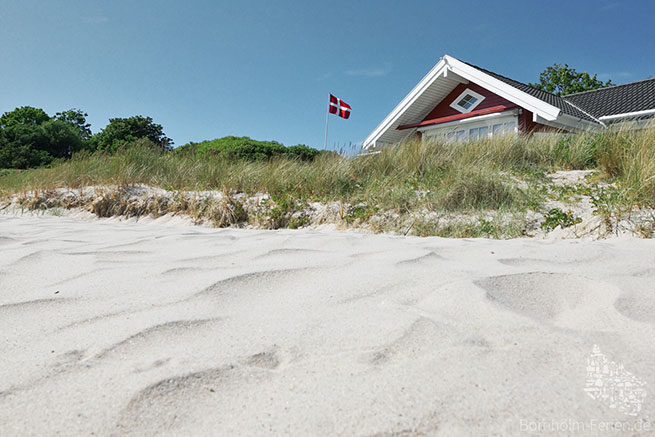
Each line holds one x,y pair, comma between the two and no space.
556,217
245,148
302,152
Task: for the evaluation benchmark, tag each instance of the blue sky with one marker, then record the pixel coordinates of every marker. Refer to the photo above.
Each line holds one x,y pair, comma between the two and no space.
262,68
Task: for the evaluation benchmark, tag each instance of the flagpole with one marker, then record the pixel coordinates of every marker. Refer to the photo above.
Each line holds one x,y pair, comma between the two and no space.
327,112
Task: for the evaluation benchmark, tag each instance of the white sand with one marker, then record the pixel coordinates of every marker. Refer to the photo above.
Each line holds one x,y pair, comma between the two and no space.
113,328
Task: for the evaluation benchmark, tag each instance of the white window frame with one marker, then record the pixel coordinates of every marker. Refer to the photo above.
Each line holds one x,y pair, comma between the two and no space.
441,131
466,92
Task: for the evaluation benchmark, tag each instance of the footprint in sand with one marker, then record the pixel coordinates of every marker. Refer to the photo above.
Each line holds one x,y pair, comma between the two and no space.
563,300
249,280
637,305
421,337
32,305
6,240
421,261
165,333
169,402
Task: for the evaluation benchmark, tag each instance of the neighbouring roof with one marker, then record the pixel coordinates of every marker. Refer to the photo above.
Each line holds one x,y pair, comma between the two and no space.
617,99
547,97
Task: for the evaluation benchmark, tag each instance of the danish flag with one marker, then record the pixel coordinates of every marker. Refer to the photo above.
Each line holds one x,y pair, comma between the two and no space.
339,107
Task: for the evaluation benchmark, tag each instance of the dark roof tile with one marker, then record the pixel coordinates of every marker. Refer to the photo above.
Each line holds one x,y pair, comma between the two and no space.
617,99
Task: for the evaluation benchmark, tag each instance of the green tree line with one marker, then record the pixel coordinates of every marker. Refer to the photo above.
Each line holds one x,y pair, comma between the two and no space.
29,137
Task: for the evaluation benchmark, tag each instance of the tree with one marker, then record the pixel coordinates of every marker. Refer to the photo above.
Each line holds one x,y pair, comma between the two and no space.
125,131
62,139
561,80
25,115
77,119
29,137
16,155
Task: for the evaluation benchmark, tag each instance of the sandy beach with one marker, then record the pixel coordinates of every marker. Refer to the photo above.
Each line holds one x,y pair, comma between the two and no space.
131,328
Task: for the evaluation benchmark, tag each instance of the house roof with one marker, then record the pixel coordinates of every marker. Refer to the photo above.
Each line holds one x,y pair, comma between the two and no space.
575,111
550,98
617,99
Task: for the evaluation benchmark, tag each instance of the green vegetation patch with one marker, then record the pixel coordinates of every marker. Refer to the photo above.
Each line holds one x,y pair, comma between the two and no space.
556,217
247,149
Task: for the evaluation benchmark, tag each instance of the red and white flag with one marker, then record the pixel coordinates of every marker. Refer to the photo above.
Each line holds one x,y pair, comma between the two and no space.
339,107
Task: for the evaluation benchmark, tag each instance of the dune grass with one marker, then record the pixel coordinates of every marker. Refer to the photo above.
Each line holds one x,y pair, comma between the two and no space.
491,175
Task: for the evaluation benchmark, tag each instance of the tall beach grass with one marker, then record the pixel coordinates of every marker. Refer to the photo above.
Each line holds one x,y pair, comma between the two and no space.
498,174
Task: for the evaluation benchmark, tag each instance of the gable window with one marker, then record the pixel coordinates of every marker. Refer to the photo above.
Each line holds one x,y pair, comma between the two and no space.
467,101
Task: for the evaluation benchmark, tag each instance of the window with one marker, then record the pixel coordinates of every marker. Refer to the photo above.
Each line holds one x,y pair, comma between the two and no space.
478,133
474,129
473,134
459,135
467,101
503,128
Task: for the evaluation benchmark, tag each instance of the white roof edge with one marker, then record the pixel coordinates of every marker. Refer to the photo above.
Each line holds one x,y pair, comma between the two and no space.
523,99
427,80
627,115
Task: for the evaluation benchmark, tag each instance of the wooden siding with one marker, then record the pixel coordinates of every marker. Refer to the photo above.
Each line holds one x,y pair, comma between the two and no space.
443,109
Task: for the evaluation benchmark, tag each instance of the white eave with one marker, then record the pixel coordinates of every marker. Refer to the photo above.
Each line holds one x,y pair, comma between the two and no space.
435,86
568,122
636,114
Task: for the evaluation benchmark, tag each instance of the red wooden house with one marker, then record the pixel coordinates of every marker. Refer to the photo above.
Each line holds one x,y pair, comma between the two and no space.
459,101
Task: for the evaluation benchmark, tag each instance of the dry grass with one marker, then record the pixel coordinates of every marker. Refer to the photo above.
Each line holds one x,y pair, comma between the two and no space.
501,174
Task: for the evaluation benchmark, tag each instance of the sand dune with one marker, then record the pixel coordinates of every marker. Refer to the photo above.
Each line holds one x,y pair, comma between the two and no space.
117,328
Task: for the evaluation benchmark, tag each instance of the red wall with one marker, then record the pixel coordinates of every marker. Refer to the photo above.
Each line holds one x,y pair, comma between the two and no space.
525,123
527,126
443,109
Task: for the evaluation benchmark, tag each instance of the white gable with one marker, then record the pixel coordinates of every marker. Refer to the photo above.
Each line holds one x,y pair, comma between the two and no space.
435,86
